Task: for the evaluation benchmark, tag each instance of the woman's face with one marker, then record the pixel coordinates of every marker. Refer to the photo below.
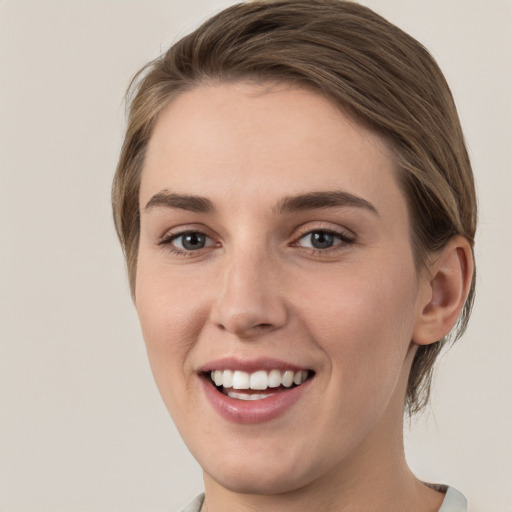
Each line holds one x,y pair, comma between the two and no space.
275,247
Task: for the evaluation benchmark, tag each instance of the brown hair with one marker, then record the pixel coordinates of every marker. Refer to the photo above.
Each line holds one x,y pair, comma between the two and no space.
372,69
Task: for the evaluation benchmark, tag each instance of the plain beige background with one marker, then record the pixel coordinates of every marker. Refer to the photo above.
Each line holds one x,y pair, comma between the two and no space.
82,427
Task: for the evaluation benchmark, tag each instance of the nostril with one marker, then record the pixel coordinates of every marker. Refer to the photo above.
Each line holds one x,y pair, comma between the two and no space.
244,326
247,307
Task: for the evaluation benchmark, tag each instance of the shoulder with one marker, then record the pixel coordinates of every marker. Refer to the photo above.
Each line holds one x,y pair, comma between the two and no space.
195,505
454,501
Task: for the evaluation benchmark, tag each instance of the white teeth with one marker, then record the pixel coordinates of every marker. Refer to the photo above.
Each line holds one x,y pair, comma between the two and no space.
240,380
274,379
246,396
288,378
227,379
259,380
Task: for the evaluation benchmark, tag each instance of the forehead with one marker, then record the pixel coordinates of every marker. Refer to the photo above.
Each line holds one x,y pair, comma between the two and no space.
250,139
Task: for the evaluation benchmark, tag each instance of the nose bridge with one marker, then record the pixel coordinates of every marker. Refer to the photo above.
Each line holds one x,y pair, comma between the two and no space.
249,300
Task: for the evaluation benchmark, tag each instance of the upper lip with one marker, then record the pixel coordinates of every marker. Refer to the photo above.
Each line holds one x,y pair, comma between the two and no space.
250,365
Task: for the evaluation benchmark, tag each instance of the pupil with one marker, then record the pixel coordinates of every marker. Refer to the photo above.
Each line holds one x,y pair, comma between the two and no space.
322,240
193,241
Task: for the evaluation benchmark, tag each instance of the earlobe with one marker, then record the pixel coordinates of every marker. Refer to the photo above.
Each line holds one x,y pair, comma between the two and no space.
445,286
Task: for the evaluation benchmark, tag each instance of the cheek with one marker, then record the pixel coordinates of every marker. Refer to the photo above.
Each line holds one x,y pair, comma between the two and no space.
171,318
168,305
363,321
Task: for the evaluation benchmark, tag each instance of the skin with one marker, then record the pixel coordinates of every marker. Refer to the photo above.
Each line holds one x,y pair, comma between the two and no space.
354,313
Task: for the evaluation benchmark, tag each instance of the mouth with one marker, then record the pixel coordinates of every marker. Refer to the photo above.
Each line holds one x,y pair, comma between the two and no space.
258,385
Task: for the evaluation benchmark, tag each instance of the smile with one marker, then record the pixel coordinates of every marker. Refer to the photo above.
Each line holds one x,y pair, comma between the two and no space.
245,383
254,391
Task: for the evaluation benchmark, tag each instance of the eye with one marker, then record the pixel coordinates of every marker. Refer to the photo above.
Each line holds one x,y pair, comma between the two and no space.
188,241
321,239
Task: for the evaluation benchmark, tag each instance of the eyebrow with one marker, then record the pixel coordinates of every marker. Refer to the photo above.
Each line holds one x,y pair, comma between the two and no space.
190,203
289,204
319,200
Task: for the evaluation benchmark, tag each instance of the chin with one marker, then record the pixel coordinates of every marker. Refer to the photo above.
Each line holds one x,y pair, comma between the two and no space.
245,480
265,472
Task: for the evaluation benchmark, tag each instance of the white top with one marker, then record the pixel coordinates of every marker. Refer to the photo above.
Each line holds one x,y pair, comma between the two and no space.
453,501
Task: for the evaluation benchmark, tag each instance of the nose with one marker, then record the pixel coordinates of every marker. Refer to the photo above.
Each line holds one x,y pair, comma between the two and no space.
250,301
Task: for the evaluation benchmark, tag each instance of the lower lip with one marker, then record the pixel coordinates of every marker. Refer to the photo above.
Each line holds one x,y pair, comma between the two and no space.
253,411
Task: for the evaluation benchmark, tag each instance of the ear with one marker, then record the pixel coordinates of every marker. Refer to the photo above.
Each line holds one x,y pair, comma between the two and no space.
444,288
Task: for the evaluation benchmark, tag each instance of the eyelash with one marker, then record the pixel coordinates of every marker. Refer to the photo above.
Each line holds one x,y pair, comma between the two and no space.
344,240
168,240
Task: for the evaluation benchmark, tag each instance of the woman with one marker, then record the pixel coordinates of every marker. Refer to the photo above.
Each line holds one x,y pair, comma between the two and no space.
297,210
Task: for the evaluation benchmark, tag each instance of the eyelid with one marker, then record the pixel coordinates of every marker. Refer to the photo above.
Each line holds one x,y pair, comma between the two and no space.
345,236
184,229
166,241
310,227
170,236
